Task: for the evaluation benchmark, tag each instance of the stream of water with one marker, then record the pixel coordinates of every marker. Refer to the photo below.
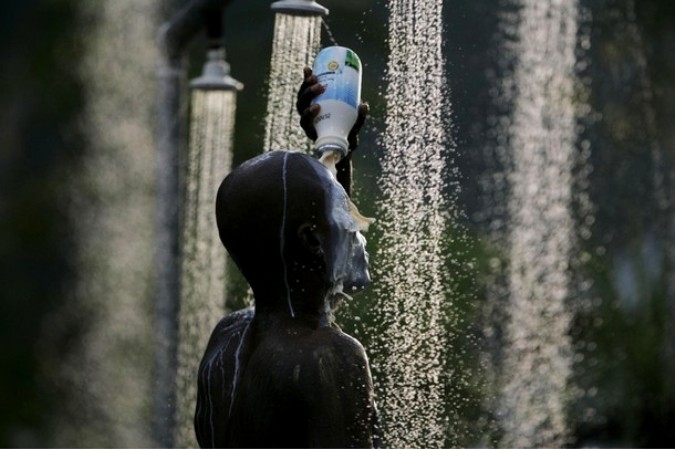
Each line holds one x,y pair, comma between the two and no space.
203,257
112,200
540,231
409,286
296,41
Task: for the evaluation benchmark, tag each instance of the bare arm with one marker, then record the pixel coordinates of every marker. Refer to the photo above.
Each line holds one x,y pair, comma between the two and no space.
217,378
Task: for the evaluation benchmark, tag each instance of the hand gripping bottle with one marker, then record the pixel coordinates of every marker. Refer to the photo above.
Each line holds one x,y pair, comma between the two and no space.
338,69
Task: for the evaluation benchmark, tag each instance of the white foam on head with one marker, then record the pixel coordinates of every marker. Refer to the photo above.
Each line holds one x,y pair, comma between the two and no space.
341,213
329,159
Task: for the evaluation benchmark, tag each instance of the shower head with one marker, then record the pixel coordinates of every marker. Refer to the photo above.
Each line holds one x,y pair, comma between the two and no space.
216,74
299,8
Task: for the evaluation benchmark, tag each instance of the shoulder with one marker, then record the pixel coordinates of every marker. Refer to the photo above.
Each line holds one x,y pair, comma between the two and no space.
324,354
233,324
334,358
227,341
233,321
339,343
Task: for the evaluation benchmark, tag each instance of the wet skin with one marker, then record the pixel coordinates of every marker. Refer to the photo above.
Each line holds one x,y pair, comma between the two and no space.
298,387
284,375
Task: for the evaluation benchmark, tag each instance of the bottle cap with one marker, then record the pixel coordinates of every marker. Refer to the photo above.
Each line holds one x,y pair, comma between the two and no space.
331,143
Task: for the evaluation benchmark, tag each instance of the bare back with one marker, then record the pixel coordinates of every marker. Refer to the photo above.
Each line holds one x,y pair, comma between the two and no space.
284,387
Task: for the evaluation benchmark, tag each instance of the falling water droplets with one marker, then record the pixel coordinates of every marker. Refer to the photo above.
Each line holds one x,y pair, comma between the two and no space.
409,352
329,33
203,262
107,369
296,41
538,156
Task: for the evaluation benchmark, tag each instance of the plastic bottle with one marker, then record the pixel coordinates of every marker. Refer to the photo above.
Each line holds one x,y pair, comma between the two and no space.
338,69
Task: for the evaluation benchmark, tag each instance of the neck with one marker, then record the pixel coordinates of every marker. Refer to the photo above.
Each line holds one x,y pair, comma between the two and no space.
299,292
311,309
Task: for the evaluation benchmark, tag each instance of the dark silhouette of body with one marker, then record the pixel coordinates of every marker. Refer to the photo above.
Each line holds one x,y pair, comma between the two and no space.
282,374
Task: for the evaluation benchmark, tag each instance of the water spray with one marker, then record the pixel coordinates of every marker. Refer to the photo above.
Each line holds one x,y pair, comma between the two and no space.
203,262
297,38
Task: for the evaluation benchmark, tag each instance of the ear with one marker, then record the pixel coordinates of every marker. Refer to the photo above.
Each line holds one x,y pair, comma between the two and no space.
310,238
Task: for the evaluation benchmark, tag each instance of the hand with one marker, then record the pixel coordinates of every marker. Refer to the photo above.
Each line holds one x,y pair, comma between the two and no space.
308,91
353,137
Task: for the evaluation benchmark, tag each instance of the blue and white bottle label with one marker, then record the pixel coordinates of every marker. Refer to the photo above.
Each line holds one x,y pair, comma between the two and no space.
339,70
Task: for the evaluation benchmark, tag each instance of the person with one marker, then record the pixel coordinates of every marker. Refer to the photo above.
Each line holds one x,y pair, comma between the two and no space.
282,374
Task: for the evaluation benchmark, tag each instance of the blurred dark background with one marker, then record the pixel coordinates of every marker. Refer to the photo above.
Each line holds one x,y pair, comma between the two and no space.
630,89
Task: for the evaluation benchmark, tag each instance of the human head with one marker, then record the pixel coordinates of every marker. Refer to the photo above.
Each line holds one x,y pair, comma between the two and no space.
285,221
